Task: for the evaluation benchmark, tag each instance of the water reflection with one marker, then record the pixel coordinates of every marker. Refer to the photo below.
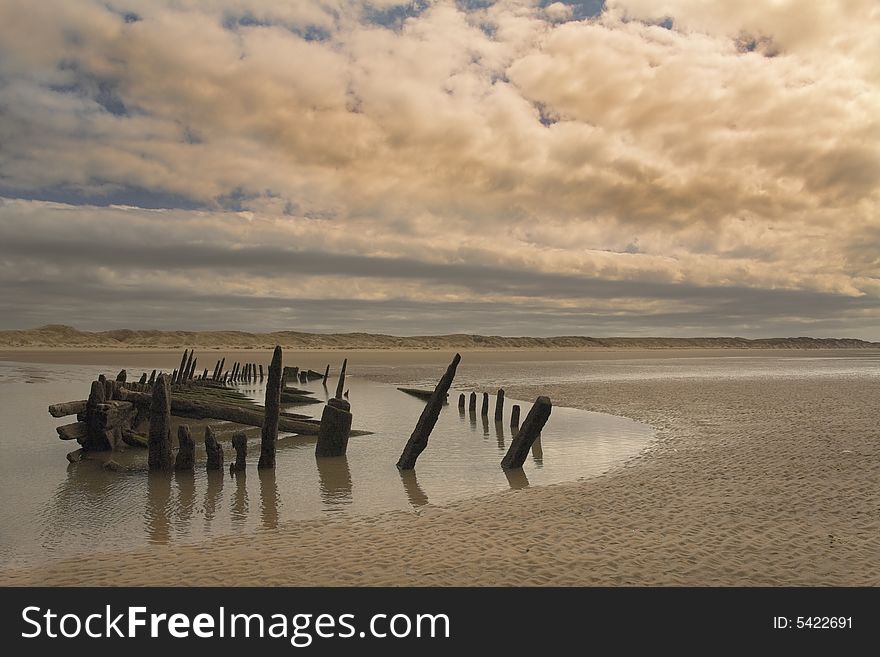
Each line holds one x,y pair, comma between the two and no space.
213,493
414,492
157,517
485,420
239,507
186,500
538,452
334,479
269,498
499,434
517,478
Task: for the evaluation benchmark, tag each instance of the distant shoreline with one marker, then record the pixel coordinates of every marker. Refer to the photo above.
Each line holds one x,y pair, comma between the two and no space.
58,337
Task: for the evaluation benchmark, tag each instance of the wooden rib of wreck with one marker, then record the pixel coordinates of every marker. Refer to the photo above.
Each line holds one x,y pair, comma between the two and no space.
422,394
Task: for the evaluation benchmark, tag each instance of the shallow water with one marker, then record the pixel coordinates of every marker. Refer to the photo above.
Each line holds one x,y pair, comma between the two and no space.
52,508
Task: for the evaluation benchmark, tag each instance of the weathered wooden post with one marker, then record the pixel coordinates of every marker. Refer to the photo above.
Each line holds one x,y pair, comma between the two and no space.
216,367
472,404
109,390
527,434
122,377
214,451
186,371
186,449
326,374
239,442
272,412
418,441
174,376
160,426
222,365
205,375
484,409
192,369
340,386
143,380
152,378
234,375
94,440
261,372
335,423
514,416
179,370
499,405
461,402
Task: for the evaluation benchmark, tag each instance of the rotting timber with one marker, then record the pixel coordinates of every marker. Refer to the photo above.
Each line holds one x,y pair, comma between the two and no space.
117,413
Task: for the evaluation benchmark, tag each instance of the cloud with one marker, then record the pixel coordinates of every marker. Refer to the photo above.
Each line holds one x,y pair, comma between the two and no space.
451,152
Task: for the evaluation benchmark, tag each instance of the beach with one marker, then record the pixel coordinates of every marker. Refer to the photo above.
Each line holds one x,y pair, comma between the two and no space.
749,481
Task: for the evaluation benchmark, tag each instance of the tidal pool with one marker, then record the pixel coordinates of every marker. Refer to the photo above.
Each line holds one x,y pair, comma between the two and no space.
52,508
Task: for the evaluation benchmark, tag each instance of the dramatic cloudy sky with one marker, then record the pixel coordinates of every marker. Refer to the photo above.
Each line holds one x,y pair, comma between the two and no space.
633,167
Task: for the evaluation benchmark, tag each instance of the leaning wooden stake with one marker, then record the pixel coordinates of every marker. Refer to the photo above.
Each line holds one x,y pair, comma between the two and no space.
326,373
160,426
341,385
180,369
528,434
273,412
418,441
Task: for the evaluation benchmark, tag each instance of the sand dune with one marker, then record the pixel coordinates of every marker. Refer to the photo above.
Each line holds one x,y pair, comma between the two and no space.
758,482
65,337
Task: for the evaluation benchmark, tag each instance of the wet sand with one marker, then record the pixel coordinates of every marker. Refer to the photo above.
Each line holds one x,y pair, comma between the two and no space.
750,482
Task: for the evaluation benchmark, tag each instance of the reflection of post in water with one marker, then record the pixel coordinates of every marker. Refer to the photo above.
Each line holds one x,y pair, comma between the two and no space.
268,498
239,506
472,419
499,434
334,478
212,493
538,452
186,495
517,478
158,499
414,492
485,419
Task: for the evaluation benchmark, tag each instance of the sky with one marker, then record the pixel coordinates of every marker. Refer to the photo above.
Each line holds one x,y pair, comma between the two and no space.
506,167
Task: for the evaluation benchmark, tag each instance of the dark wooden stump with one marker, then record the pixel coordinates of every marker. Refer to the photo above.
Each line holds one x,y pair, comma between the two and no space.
152,378
335,429
239,442
272,413
186,449
214,451
514,416
418,441
528,434
499,405
472,404
484,409
461,402
160,425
